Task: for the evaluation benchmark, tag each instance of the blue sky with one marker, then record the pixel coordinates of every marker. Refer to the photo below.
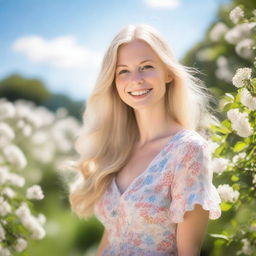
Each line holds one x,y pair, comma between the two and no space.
62,42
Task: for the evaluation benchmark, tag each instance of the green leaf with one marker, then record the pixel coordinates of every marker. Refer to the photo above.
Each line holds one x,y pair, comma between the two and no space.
231,105
234,178
236,186
240,145
219,149
225,206
226,123
216,138
234,223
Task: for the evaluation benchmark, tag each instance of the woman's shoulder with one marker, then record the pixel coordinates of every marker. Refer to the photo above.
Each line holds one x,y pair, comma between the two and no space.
192,138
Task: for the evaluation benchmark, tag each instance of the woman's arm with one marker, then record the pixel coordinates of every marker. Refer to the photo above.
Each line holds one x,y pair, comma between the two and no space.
103,243
191,232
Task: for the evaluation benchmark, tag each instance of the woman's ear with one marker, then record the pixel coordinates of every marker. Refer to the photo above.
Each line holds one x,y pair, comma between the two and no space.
169,78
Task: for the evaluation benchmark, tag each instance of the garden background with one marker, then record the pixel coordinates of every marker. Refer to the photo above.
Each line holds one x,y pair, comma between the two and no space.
50,55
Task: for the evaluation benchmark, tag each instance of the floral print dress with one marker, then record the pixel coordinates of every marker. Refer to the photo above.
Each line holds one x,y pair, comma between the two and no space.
142,220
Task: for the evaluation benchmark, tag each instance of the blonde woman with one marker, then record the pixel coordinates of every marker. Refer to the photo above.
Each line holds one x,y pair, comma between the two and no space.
145,160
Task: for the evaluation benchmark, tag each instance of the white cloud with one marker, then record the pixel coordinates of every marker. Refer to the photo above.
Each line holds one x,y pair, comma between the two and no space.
163,3
60,52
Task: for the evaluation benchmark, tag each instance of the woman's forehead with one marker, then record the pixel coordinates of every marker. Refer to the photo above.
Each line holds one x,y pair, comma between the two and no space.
135,51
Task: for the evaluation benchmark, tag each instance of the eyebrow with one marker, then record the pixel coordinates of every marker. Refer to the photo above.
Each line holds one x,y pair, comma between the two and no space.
121,65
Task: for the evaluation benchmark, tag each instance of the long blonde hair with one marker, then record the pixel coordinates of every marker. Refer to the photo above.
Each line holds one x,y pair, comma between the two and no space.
109,125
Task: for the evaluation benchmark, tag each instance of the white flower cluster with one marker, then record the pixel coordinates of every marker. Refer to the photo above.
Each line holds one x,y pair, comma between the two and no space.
49,136
244,48
223,71
254,179
21,244
35,192
5,207
240,123
241,37
218,31
247,99
236,14
239,156
239,32
241,75
15,156
219,165
247,248
9,178
30,222
4,251
6,134
227,193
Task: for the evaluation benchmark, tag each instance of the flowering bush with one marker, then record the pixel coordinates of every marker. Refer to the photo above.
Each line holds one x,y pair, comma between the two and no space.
30,136
234,140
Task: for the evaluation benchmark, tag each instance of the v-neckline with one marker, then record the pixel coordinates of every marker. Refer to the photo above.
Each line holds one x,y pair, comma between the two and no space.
149,165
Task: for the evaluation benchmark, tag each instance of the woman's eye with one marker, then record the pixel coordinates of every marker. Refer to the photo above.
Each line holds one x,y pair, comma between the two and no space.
122,71
146,67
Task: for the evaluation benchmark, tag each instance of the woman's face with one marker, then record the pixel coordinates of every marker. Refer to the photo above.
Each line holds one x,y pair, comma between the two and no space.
139,69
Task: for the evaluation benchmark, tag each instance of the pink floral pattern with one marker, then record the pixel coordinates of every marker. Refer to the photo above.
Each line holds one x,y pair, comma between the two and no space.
142,220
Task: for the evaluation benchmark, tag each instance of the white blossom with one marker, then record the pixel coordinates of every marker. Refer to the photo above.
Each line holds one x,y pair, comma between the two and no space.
219,165
6,134
21,244
27,130
45,153
35,192
247,248
26,111
4,174
241,75
227,193
212,146
30,222
240,123
236,14
254,179
5,208
239,32
218,31
16,180
8,192
244,48
223,71
39,137
23,211
15,156
7,110
4,251
21,124
2,233
41,218
247,99
239,156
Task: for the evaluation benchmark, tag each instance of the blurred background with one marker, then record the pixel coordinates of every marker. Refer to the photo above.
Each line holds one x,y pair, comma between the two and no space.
50,55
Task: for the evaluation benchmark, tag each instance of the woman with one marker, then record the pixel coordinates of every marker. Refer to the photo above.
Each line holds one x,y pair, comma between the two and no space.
145,167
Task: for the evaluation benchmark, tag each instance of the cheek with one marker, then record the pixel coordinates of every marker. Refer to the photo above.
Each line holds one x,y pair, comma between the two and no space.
153,75
120,88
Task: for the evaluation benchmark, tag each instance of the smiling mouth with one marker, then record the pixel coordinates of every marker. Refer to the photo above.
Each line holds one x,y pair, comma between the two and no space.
141,92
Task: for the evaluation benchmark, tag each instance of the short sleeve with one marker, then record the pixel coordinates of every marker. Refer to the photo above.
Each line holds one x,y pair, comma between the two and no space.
192,182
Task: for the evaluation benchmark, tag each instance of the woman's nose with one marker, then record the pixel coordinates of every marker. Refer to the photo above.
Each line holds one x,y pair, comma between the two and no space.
136,76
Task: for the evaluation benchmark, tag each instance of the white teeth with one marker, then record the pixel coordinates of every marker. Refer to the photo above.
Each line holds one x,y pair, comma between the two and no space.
140,93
